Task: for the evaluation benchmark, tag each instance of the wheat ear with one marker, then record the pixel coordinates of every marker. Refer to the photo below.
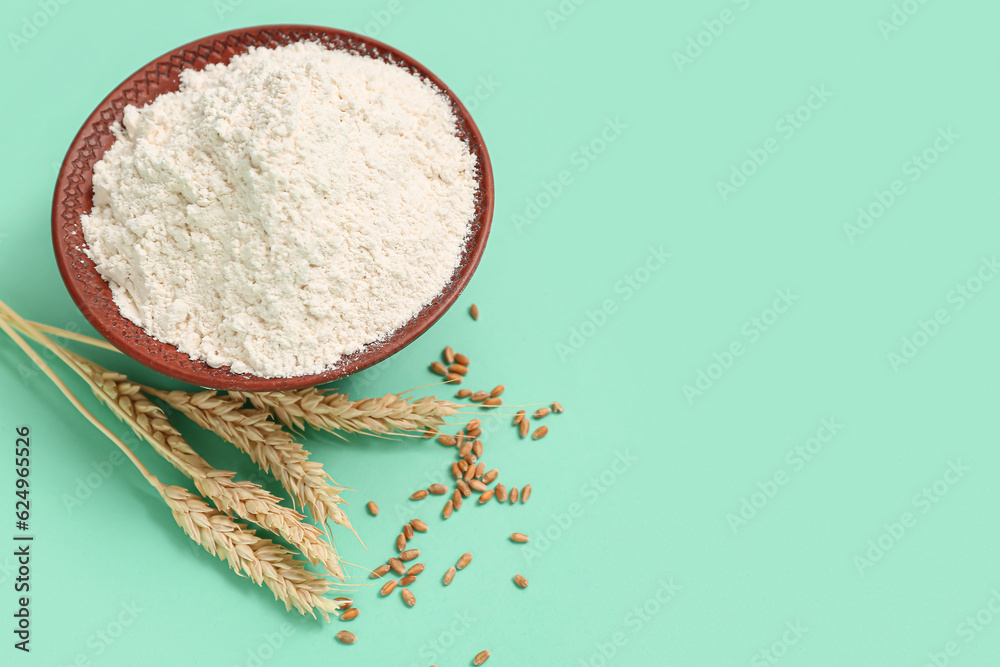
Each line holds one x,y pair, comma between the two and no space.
246,499
336,412
270,446
262,560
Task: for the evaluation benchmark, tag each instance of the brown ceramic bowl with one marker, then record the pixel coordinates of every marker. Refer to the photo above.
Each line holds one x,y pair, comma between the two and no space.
74,193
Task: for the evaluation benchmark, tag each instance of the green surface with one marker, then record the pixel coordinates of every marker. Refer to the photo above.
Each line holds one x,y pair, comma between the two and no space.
810,500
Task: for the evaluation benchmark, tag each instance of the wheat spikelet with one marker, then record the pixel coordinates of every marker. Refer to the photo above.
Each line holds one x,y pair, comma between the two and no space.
336,412
271,447
263,561
247,500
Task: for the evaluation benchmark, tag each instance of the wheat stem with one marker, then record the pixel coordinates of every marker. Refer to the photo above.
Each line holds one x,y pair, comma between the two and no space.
262,560
71,397
250,501
72,335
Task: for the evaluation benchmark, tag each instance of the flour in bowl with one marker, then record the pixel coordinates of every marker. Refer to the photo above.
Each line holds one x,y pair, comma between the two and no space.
280,212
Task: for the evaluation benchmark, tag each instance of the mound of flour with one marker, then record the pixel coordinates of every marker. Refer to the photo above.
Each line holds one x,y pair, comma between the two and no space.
280,212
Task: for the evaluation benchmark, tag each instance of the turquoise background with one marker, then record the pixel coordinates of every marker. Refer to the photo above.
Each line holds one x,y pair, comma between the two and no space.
798,504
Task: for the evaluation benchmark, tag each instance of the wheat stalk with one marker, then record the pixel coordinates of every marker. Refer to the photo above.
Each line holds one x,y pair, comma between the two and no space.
267,444
248,500
336,412
262,560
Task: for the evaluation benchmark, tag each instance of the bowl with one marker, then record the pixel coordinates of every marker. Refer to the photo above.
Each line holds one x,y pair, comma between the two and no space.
74,197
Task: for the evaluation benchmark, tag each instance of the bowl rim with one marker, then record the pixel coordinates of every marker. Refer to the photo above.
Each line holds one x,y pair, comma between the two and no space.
126,335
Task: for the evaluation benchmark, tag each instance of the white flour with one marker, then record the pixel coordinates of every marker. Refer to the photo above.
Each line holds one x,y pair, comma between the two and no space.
284,210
